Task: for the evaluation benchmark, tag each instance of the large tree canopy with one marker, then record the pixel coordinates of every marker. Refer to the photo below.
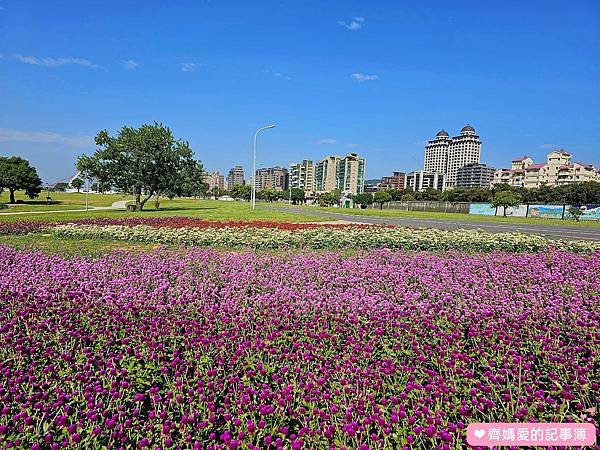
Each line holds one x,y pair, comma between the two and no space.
16,174
146,161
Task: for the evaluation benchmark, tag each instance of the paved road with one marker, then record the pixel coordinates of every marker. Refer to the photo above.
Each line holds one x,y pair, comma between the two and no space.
549,231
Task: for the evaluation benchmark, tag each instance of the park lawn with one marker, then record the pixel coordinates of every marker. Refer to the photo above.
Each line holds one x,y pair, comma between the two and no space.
204,209
449,216
61,200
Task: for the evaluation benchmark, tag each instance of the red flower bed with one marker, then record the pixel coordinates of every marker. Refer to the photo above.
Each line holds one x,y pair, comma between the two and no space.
189,222
24,227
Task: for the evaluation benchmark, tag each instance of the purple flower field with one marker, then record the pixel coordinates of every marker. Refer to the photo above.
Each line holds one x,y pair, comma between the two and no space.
205,349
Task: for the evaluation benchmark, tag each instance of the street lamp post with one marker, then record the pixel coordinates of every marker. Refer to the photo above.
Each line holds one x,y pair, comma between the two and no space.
254,165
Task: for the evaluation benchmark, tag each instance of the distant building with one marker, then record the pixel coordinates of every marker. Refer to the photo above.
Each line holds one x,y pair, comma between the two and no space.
396,181
372,185
350,174
420,180
214,179
272,178
446,155
558,170
302,176
325,174
475,175
236,176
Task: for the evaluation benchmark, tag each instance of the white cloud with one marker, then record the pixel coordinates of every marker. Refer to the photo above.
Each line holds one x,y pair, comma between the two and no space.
354,25
352,145
44,137
326,141
55,62
551,146
190,67
360,77
130,64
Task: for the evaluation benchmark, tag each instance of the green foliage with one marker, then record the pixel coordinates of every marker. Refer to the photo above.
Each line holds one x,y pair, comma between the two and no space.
269,195
241,192
364,199
17,174
506,199
575,212
328,199
60,187
381,197
77,183
146,161
298,196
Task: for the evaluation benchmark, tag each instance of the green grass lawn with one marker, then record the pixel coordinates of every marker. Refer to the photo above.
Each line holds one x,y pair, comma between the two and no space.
450,216
205,209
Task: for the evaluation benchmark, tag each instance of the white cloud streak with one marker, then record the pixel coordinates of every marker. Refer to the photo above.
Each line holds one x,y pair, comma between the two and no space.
326,141
130,64
362,77
551,146
55,62
354,25
190,67
44,137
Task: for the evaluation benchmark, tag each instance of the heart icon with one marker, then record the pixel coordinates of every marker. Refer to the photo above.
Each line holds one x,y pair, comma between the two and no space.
479,433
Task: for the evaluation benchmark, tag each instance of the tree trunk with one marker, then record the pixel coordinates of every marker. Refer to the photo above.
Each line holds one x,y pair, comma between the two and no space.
145,199
12,195
504,211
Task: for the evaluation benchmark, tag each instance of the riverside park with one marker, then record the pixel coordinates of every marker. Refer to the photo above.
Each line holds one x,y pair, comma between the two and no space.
207,324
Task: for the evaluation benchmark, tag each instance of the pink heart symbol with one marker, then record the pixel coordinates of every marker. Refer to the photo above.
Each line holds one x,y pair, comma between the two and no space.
479,433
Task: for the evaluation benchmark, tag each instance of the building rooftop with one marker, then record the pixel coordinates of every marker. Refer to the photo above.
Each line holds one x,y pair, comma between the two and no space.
467,127
535,167
442,133
522,158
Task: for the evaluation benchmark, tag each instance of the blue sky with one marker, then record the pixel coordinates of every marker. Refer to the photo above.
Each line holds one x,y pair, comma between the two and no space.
378,78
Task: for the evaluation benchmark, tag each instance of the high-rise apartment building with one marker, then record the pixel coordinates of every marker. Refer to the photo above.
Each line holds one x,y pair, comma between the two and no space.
272,178
475,175
302,176
214,179
350,174
446,155
346,174
326,174
236,176
436,153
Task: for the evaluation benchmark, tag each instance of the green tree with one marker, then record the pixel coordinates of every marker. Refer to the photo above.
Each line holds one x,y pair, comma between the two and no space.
268,195
60,187
381,197
431,194
16,174
407,197
506,199
327,199
146,161
77,183
364,199
298,196
575,212
242,192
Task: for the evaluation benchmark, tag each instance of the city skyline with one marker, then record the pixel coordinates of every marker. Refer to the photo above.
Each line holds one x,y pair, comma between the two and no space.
379,86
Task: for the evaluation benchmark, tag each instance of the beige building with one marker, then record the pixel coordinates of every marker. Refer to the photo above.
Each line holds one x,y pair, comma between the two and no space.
445,155
326,174
272,178
346,174
302,176
214,179
557,170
